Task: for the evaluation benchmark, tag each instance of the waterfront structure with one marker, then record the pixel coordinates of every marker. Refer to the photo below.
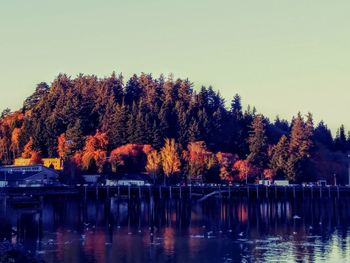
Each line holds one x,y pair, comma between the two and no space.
53,163
265,182
91,178
128,179
27,175
281,182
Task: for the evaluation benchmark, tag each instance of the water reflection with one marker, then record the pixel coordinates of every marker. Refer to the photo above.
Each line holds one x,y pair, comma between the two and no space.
240,230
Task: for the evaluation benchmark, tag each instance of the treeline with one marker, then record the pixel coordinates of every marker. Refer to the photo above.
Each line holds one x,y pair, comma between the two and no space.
163,127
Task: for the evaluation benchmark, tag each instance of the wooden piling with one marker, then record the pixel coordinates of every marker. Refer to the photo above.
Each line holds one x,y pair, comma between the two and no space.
129,191
118,191
275,192
267,192
294,192
160,192
338,191
229,192
329,192
320,191
180,192
303,190
170,194
96,192
285,192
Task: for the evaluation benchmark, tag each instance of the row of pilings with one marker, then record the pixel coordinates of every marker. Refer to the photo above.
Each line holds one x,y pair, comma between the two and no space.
204,192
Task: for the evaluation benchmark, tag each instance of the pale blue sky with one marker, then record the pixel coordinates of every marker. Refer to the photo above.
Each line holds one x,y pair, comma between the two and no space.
283,56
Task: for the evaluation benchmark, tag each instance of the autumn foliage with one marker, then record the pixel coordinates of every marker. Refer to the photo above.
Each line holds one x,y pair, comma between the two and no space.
245,170
170,158
226,162
95,151
28,148
97,122
132,157
63,146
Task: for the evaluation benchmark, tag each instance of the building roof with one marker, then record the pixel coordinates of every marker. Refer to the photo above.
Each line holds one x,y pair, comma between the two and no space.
18,173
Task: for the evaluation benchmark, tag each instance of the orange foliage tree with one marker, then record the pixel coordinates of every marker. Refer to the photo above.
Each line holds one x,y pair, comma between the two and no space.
170,158
95,151
15,141
77,159
28,148
245,170
269,174
199,159
153,163
63,146
226,162
131,157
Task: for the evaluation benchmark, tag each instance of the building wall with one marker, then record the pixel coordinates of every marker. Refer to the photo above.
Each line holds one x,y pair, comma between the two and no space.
56,162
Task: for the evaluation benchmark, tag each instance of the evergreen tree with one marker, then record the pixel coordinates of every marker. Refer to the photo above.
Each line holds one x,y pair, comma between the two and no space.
323,135
279,157
74,137
236,107
41,90
340,142
257,143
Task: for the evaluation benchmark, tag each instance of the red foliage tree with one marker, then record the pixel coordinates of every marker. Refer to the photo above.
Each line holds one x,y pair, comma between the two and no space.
15,136
62,146
245,170
269,174
131,157
95,151
198,158
226,162
28,148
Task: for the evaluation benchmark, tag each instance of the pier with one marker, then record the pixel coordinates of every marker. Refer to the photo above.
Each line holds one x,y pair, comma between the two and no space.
200,193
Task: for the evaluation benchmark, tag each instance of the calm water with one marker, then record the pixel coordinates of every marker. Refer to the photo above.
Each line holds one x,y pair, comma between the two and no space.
67,230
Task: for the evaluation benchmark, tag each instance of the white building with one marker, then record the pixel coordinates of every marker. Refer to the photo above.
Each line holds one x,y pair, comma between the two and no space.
28,175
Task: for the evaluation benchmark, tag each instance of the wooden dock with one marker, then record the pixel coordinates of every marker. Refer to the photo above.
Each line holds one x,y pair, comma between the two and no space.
200,193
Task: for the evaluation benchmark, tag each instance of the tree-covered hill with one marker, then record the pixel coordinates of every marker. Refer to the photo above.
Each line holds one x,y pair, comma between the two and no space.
92,122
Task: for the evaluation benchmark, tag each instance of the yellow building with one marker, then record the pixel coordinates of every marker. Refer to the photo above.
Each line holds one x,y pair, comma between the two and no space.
56,163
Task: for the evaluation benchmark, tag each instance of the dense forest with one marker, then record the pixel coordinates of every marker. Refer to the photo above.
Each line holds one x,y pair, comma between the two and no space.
163,127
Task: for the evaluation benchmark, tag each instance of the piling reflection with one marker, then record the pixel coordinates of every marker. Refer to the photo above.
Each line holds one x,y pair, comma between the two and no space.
72,230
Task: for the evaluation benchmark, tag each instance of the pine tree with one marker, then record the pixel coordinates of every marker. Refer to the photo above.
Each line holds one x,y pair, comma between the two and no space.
193,131
157,138
118,135
299,147
135,126
279,156
257,143
41,90
236,107
340,141
74,137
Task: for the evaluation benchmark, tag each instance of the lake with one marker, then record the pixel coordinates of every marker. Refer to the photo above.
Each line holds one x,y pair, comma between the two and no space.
68,229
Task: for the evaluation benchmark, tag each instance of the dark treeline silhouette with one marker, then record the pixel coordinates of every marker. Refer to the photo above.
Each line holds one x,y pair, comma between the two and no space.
106,125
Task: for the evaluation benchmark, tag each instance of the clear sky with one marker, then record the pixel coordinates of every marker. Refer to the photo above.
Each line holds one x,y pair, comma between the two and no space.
282,56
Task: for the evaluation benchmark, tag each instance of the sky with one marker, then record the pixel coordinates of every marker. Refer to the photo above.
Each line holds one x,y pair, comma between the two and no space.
281,56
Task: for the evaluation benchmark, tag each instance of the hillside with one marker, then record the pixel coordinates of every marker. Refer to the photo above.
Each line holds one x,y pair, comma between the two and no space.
104,124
